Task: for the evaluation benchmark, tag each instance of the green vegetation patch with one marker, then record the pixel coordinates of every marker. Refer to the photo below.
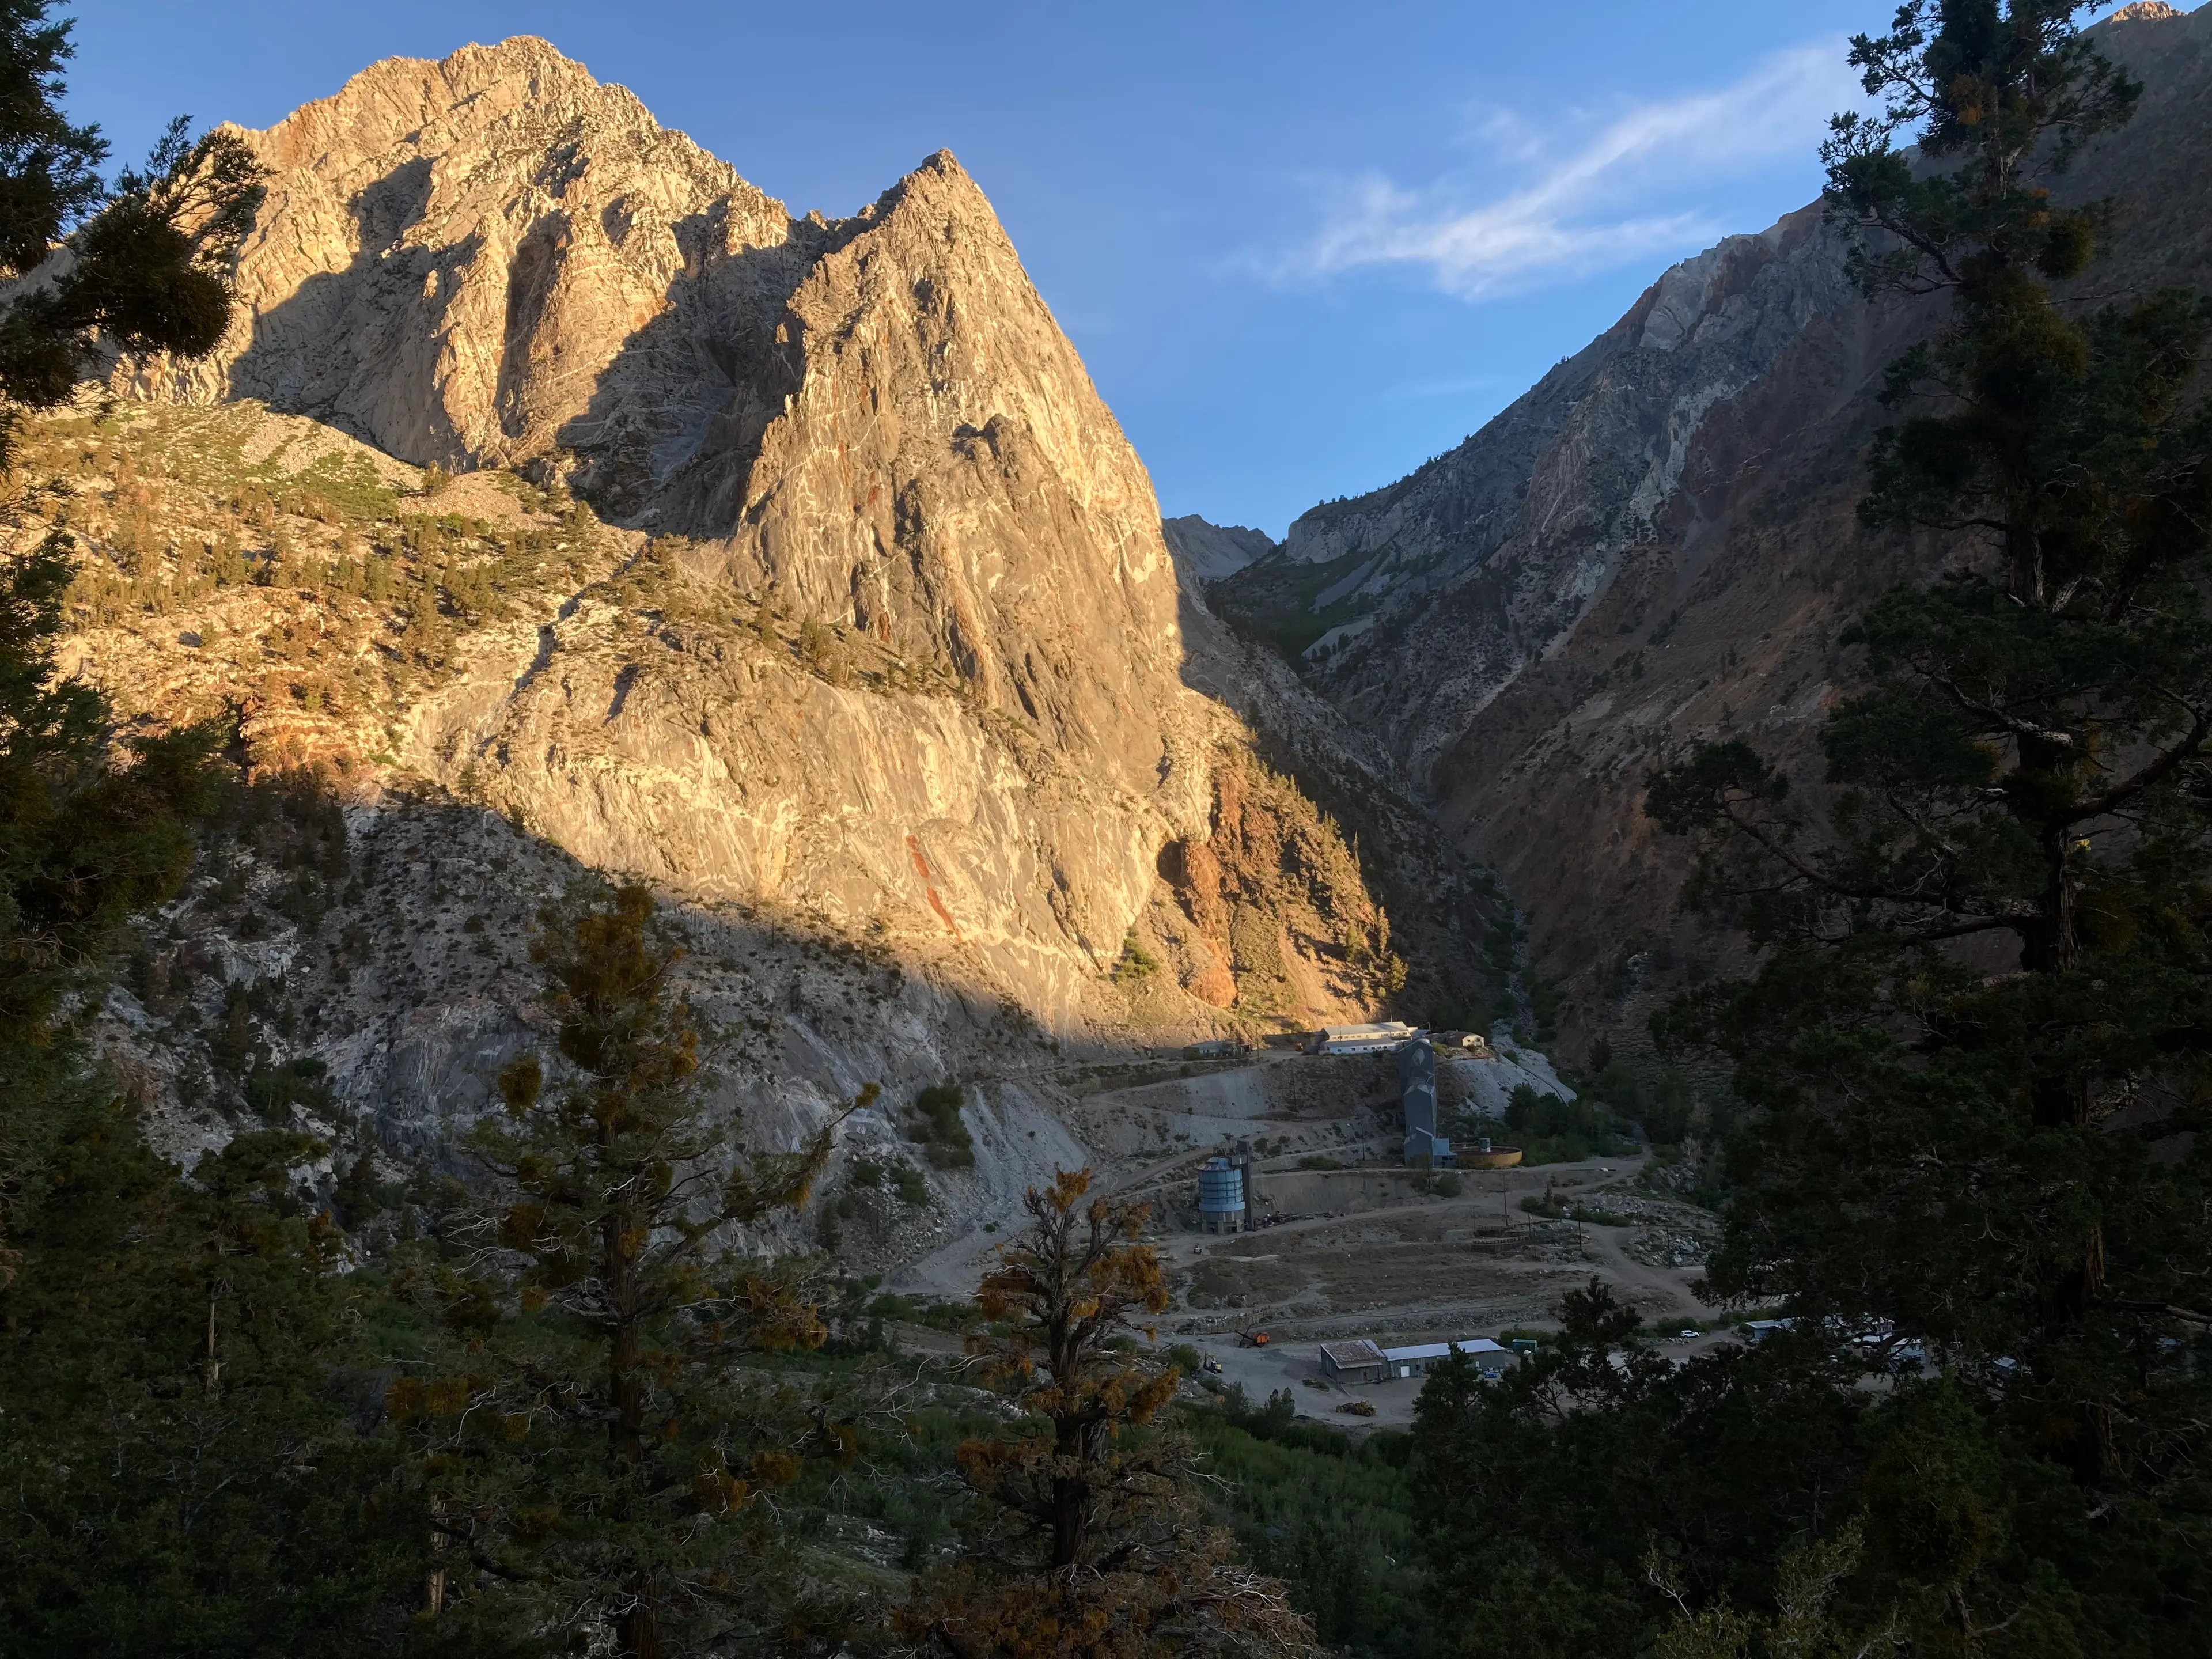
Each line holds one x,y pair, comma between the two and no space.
1555,1131
1272,603
1332,1515
934,1122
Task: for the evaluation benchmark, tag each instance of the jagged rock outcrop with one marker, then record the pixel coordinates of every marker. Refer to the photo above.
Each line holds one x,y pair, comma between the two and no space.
1658,542
869,432
887,636
453,254
1205,553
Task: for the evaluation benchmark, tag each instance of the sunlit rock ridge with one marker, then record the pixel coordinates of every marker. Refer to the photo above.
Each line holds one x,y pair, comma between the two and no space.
873,423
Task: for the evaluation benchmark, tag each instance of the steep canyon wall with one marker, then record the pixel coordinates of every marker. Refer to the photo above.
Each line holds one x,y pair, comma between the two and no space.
1658,543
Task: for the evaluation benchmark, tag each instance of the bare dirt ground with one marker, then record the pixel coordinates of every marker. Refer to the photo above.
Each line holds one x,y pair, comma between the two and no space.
1361,1250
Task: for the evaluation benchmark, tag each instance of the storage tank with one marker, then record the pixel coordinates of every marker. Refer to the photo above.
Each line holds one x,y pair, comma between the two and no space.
1220,1197
1417,1099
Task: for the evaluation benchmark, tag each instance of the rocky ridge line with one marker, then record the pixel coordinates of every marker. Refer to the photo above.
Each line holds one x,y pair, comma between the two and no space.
1658,543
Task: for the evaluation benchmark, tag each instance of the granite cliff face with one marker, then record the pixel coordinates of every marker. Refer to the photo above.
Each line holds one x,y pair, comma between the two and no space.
571,507
1658,543
869,434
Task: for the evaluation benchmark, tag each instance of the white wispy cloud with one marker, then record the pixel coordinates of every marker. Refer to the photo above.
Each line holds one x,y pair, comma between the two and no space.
1584,194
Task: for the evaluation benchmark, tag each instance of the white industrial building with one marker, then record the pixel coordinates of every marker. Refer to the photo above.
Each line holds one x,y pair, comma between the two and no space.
1363,1361
1379,1038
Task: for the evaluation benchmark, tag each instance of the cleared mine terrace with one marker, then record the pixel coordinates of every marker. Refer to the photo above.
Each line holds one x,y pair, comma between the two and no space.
1365,1248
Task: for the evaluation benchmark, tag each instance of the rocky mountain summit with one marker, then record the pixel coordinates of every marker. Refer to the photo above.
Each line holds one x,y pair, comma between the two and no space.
1206,552
870,430
1658,543
569,505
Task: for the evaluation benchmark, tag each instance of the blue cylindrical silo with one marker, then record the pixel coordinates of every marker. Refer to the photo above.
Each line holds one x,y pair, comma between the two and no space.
1220,1188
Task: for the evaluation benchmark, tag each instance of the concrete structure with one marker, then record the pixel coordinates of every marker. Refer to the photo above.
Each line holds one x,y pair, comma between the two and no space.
1221,1197
1361,1039
1417,1099
1248,1178
1484,1155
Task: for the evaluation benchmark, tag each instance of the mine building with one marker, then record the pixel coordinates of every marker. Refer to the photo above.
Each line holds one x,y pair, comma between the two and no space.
1417,1099
1375,1039
1364,1361
1360,1361
1415,1361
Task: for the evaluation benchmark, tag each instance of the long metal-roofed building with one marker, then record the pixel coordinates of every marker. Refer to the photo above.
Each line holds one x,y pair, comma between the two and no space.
1364,1361
1375,1039
1415,1360
1417,1099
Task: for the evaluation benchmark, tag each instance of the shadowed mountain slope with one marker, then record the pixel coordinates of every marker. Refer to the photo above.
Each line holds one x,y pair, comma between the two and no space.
792,563
1658,543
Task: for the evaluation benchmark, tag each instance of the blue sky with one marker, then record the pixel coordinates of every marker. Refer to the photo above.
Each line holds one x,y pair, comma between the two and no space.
1302,247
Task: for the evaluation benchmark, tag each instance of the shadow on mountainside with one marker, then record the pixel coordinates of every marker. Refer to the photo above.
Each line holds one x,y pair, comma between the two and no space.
367,983
675,420
1442,906
677,407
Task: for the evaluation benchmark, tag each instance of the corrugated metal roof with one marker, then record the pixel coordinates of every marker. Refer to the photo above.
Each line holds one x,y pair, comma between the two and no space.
1438,1350
1346,1355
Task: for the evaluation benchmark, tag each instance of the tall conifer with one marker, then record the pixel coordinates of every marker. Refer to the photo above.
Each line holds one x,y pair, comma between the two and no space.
599,1457
1976,1036
1085,1542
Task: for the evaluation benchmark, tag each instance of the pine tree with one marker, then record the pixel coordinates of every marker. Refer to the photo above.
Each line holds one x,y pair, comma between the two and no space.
184,1471
189,1451
599,1451
1086,1544
94,826
85,842
1541,1496
1975,1036
149,258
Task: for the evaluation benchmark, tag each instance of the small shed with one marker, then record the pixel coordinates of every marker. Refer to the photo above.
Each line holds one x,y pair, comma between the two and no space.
1213,1048
1359,1361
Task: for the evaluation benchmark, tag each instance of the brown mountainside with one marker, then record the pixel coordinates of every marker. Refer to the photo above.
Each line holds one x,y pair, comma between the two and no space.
793,564
1658,543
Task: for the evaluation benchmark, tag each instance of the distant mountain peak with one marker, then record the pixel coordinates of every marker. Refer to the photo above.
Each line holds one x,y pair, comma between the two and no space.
1206,552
